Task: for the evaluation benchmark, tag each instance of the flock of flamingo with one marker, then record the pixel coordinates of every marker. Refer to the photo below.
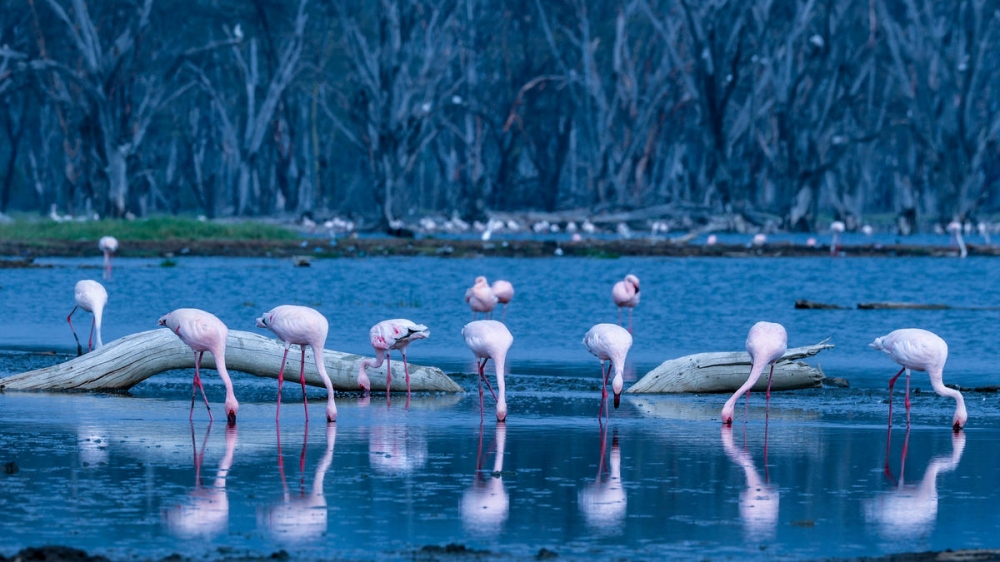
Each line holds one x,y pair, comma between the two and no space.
912,348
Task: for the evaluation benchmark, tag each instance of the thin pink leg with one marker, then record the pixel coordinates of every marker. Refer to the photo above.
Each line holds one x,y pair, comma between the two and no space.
746,408
482,373
90,340
197,381
892,382
302,379
406,369
767,400
388,374
619,316
482,407
604,389
907,400
281,380
79,348
630,320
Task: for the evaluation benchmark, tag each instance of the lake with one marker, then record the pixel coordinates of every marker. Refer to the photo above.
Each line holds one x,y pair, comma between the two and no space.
127,475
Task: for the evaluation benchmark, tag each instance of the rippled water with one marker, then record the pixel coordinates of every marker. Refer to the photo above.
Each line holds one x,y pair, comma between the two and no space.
127,475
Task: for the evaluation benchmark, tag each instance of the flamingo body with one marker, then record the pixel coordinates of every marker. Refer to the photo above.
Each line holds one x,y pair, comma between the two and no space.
504,292
386,336
480,297
625,294
92,297
489,339
766,344
610,342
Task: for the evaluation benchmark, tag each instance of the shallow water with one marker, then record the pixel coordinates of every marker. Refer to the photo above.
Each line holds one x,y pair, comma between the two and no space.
128,475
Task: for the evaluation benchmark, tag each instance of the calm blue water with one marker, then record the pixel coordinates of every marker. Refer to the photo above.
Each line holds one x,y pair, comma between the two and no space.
128,476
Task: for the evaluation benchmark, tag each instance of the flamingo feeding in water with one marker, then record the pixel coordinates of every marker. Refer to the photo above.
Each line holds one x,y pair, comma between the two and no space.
386,336
489,339
504,292
90,296
837,228
609,342
203,331
920,350
766,343
108,245
481,297
625,294
301,325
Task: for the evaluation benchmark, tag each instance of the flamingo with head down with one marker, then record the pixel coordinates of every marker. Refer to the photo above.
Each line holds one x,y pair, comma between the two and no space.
766,344
386,336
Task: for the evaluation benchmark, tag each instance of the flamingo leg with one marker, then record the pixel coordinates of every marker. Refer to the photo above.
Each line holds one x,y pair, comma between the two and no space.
281,381
746,408
482,374
197,382
604,389
504,315
630,320
907,399
619,316
892,381
79,348
302,379
406,369
388,374
90,340
767,407
482,407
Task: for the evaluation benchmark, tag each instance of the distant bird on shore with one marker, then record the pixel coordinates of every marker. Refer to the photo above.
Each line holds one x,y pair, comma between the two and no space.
481,298
302,326
920,350
489,339
386,336
108,245
955,228
504,292
92,297
625,294
766,344
202,331
609,342
759,239
837,228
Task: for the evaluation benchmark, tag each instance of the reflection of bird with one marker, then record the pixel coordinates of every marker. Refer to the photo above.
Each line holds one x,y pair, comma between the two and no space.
301,325
485,504
625,293
386,336
205,514
603,502
504,292
759,500
90,296
921,350
396,449
202,332
609,342
955,228
489,339
302,516
766,343
108,245
908,512
837,228
481,298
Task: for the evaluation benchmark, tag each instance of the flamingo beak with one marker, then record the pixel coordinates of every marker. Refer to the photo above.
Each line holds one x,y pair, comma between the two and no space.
618,399
231,418
957,428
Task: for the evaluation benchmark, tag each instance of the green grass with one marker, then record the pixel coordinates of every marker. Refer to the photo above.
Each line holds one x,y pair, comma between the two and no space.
155,228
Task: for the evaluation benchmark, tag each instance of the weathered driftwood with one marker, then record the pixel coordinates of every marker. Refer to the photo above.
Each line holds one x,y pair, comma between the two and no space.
726,371
807,304
132,359
901,306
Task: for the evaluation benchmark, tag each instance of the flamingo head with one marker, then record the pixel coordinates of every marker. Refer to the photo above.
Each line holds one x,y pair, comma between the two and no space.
331,413
616,387
232,407
363,381
633,280
727,414
263,322
958,422
501,411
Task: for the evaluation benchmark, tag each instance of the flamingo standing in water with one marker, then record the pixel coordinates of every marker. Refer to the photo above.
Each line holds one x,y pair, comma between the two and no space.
504,292
625,293
766,343
609,342
837,228
920,350
481,298
203,331
386,336
955,228
108,245
90,296
301,325
489,339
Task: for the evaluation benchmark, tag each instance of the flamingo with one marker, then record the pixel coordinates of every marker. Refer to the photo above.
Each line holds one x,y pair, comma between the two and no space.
625,293
301,325
603,502
481,297
955,228
90,296
609,342
504,292
203,331
205,514
108,245
489,339
759,500
486,503
920,350
766,343
386,336
837,228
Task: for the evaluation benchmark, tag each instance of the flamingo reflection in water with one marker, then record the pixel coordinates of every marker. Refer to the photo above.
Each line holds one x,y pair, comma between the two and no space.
396,449
301,516
603,502
205,513
486,503
759,499
909,511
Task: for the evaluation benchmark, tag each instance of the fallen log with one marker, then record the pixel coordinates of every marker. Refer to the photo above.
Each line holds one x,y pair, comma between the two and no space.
726,371
813,305
901,306
127,361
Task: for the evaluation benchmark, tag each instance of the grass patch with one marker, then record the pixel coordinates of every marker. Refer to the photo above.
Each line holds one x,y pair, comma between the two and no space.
154,228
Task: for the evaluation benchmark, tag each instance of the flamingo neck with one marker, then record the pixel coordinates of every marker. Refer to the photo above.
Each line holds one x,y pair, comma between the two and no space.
755,370
938,385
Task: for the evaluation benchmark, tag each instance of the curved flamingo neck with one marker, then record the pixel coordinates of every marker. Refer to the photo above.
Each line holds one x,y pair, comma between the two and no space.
755,370
938,385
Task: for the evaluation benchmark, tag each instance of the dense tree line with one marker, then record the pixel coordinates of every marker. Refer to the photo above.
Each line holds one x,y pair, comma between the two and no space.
396,109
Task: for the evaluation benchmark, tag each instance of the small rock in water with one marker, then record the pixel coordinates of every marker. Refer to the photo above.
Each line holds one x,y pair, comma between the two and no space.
11,468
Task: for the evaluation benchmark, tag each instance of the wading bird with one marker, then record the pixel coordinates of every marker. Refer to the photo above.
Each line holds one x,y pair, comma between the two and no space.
609,342
489,339
766,343
481,298
108,245
504,292
837,228
386,336
625,293
90,296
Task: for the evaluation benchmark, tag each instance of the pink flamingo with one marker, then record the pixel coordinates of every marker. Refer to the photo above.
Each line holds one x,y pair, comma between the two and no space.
301,325
609,342
766,343
837,228
504,292
603,501
489,339
108,245
203,331
625,293
90,296
481,298
206,513
486,503
386,336
920,350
